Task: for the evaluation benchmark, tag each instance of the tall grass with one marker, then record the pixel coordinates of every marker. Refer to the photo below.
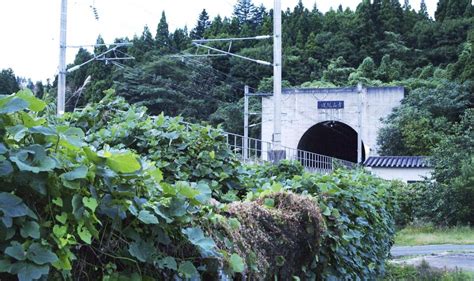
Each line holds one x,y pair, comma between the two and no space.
429,235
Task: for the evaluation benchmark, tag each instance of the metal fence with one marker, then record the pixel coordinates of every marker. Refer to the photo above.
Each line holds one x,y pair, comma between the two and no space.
251,150
255,151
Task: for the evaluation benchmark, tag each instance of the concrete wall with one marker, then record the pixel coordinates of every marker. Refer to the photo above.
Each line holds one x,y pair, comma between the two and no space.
300,112
403,174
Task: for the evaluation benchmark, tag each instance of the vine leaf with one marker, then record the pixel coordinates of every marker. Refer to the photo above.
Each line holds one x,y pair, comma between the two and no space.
188,270
3,148
11,105
33,159
18,132
84,234
6,168
77,173
197,238
41,255
30,229
141,250
236,263
147,217
90,203
28,271
168,262
12,207
33,102
16,251
59,231
126,163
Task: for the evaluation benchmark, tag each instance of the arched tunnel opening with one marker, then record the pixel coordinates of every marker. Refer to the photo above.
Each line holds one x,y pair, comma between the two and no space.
332,138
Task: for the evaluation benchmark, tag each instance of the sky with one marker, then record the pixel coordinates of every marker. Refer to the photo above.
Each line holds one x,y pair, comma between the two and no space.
30,28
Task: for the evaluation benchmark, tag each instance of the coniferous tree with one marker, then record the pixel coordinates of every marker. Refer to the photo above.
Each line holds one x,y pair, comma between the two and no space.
244,11
162,37
423,10
202,25
440,12
406,5
8,82
216,27
180,40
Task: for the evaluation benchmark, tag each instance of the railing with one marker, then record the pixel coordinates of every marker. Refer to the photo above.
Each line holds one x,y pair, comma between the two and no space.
253,150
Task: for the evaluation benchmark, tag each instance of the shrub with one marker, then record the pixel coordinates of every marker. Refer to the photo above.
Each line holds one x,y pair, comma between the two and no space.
358,211
183,152
132,199
67,209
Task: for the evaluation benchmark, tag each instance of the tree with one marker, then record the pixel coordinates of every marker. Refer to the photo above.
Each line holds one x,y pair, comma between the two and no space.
450,199
463,69
180,40
337,72
441,8
391,15
452,9
202,25
162,37
101,76
142,45
244,11
425,118
39,89
8,82
423,12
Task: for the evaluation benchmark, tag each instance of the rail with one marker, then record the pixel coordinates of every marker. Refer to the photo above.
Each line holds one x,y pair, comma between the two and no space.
251,150
255,151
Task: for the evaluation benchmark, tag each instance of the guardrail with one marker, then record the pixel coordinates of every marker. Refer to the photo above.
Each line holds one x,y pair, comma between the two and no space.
255,151
251,150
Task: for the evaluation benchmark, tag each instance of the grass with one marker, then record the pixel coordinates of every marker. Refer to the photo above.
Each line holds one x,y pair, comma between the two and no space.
424,272
430,235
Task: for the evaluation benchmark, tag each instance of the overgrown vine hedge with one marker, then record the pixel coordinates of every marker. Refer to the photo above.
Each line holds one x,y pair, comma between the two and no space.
111,193
359,217
69,210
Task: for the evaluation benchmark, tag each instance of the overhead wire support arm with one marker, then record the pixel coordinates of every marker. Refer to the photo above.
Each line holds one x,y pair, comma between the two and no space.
101,45
234,55
261,37
100,57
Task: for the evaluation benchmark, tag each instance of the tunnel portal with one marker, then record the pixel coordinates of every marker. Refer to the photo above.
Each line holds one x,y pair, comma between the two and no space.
332,138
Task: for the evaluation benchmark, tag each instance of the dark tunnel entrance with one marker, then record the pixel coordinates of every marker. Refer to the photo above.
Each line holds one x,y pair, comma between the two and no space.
332,138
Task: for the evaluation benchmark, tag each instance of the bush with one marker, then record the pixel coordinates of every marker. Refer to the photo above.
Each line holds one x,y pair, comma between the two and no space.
68,210
140,198
183,152
423,272
358,210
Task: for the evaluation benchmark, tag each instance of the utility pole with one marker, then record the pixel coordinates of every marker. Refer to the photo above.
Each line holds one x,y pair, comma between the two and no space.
62,59
277,76
359,123
246,123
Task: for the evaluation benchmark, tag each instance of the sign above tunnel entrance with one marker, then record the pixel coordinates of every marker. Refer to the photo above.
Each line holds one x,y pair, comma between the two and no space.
331,104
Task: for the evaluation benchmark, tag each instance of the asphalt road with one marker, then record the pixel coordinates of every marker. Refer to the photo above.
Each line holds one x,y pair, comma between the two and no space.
437,256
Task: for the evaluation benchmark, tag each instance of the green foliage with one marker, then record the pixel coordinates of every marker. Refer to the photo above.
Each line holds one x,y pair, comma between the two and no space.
8,83
424,272
358,210
425,117
360,225
62,199
182,151
450,199
133,194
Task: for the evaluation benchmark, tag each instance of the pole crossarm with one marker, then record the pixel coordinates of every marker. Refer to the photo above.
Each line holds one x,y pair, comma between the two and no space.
101,57
232,54
101,45
261,37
